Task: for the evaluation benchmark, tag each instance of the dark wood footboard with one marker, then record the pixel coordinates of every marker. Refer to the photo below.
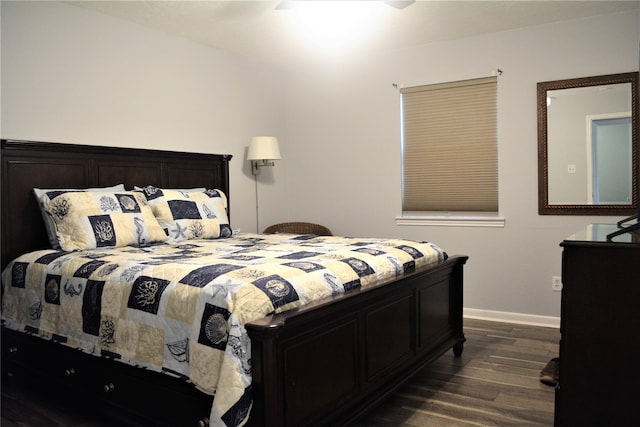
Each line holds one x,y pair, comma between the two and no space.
327,364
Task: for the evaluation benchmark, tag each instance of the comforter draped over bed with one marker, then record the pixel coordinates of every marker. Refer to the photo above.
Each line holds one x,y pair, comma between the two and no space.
181,308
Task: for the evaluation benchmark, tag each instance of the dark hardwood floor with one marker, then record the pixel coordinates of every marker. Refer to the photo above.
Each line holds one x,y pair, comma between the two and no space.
494,383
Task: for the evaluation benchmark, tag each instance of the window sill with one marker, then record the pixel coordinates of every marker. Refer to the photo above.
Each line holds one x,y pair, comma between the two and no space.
452,220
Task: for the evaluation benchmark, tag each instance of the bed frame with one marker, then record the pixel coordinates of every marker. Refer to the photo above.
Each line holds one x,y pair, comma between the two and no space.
324,364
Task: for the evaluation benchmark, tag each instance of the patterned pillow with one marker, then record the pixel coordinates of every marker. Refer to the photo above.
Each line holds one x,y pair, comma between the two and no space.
43,199
187,215
88,220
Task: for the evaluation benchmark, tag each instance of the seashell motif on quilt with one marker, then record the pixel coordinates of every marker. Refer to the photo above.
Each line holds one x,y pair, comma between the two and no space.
216,329
179,350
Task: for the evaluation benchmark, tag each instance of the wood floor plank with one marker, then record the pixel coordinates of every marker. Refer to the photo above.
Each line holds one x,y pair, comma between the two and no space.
468,410
512,361
494,383
521,371
522,400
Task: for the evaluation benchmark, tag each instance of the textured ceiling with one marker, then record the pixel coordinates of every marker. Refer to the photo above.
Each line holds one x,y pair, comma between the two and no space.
260,30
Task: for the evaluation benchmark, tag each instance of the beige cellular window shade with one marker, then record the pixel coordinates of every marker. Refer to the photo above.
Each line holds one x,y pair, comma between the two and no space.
450,156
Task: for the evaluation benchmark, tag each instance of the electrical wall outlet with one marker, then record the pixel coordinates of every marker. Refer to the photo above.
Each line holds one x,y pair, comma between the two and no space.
556,283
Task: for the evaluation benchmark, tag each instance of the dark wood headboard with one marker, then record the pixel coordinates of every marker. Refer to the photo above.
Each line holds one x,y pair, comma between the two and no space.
27,165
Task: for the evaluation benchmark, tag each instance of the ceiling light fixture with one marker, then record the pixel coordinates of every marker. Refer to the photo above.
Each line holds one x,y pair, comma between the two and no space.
333,26
398,4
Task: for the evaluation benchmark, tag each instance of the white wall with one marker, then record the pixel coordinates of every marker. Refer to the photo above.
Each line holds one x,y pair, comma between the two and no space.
343,161
75,76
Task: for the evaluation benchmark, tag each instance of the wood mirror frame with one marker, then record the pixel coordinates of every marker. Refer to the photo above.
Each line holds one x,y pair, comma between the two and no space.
544,206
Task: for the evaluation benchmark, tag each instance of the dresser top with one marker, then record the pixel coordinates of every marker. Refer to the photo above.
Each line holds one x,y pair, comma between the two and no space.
597,233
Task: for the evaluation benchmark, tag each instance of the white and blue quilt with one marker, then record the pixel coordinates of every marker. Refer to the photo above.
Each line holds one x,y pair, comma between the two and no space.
181,308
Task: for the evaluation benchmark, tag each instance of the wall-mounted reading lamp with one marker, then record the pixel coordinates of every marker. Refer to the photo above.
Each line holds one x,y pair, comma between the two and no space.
262,149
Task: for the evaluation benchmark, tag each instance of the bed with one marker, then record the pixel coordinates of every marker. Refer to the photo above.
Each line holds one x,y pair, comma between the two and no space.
318,360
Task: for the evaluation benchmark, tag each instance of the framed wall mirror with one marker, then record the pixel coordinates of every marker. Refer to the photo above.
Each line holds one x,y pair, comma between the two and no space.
588,146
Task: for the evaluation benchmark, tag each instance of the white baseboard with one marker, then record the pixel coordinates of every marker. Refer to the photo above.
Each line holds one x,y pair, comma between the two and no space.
504,316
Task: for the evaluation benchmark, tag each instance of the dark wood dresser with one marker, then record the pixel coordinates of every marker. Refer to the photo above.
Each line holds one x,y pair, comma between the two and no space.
600,330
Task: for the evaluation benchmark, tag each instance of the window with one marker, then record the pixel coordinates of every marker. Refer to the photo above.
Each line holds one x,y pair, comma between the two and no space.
449,149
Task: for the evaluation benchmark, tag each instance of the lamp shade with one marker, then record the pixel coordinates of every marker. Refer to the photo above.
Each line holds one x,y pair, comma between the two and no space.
263,148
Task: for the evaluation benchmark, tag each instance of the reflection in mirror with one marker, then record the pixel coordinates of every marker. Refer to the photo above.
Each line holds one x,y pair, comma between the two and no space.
588,145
